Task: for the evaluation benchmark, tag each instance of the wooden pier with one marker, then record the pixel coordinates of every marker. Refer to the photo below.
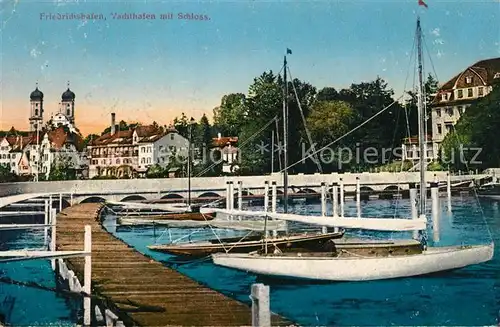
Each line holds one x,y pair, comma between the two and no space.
141,291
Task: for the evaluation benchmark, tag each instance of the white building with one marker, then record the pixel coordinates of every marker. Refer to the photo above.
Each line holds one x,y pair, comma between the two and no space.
456,95
132,152
229,152
47,143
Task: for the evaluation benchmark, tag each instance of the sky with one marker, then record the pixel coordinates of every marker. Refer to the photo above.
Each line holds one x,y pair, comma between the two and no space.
154,69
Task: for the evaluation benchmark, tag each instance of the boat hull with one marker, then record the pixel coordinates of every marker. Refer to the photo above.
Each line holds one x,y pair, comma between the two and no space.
311,242
330,268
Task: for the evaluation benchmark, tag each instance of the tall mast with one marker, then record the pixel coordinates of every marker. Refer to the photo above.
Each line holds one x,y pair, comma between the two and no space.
285,140
421,122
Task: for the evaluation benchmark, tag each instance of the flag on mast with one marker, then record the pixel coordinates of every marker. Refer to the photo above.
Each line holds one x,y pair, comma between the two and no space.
288,51
422,3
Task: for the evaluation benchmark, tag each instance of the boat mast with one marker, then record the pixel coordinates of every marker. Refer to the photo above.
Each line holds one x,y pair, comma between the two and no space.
421,123
285,139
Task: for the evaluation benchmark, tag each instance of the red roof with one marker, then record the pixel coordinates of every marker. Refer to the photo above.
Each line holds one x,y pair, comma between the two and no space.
223,141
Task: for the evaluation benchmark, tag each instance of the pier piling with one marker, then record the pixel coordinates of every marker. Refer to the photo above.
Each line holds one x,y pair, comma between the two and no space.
341,197
261,315
266,196
413,205
87,278
435,211
335,200
240,194
274,196
448,190
358,197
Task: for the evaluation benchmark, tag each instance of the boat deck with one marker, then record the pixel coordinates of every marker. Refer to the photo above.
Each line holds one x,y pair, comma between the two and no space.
141,291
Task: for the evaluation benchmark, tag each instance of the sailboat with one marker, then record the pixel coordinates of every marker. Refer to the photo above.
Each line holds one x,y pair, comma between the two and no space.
342,264
254,242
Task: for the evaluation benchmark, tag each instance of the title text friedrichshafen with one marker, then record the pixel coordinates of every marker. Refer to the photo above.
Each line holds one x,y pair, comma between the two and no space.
123,16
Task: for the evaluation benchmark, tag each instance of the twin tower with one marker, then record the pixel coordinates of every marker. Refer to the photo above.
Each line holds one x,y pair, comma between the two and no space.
66,107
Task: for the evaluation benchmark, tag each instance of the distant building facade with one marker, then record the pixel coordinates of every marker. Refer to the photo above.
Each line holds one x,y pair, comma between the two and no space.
228,147
132,152
456,95
36,151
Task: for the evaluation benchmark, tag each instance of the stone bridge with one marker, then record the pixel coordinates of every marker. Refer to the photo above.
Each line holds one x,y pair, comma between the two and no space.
81,191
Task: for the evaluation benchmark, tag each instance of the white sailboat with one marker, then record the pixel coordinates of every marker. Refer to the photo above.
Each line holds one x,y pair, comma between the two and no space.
340,264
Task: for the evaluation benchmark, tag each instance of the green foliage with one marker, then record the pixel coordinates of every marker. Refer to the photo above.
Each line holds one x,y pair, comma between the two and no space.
6,176
61,169
474,142
122,126
89,138
229,116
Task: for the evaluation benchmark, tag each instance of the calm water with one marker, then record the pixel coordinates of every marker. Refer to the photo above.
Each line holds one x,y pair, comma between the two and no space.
470,296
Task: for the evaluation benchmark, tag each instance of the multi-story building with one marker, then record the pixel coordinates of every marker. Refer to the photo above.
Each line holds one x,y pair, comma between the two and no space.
229,152
456,95
132,152
47,143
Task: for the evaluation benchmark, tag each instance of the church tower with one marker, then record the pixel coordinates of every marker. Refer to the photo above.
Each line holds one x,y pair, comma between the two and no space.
36,102
68,105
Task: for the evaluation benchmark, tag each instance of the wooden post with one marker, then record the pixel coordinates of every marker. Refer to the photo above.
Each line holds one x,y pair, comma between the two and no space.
274,196
335,204
71,199
358,197
266,196
240,195
413,205
53,237
87,279
341,198
448,190
435,211
60,202
261,313
231,195
228,198
323,205
46,221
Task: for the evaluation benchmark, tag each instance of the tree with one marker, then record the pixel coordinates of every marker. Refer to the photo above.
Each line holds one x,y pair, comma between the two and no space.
6,175
327,94
89,138
156,171
62,169
229,117
474,143
181,125
328,121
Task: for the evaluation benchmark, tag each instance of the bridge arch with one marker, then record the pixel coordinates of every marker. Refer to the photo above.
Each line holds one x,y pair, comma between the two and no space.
393,188
209,195
307,190
366,189
133,198
93,199
65,203
172,196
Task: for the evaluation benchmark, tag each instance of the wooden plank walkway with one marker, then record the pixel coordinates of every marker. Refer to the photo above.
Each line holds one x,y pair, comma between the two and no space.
121,274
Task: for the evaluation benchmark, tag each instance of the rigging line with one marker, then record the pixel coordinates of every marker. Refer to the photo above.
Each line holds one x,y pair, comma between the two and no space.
308,133
476,196
406,81
279,144
240,147
348,133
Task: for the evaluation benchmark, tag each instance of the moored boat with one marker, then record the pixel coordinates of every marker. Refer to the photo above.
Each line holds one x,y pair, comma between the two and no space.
312,242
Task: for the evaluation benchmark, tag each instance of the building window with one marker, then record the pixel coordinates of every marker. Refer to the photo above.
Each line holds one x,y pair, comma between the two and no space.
172,136
142,160
36,112
480,91
460,94
143,149
438,112
468,80
460,110
408,154
448,127
469,93
449,110
117,161
149,160
444,96
439,128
